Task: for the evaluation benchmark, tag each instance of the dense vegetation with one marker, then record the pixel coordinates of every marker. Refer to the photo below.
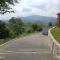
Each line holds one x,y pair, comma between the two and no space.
4,31
56,33
16,27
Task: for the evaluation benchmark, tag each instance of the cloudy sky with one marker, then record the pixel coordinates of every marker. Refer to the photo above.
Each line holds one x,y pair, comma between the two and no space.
34,7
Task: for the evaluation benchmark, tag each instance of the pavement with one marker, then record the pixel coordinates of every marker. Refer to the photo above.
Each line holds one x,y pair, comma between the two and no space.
32,47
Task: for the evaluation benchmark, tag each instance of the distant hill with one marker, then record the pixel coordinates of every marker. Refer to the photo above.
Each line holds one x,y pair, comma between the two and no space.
37,18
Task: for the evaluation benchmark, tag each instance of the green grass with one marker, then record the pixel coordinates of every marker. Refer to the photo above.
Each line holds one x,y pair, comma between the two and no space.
2,41
56,33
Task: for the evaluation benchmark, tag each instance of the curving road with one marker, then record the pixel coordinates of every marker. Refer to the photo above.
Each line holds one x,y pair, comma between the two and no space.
32,47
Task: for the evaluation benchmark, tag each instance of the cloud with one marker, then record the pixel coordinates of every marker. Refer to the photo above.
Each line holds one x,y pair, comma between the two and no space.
51,7
34,7
27,10
43,6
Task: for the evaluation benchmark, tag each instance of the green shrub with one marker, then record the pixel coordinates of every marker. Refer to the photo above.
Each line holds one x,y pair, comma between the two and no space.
4,31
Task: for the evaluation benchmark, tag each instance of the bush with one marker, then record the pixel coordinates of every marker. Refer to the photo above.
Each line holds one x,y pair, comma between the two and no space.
34,27
29,31
50,24
16,26
4,31
12,35
39,29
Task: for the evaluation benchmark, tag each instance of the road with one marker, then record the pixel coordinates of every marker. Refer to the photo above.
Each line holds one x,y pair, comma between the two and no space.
32,47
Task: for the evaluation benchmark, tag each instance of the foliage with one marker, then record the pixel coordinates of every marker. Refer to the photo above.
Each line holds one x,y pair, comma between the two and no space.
4,31
40,27
5,5
15,20
36,27
16,26
50,24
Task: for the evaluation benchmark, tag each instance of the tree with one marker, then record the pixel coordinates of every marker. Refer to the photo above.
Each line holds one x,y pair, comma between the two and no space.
15,20
4,5
4,31
34,27
50,24
39,27
16,25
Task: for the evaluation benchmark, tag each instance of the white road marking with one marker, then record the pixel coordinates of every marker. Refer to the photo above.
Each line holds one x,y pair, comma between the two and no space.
31,52
9,51
12,52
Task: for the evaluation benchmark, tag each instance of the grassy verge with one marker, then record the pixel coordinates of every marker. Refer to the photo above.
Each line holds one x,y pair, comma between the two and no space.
56,33
2,41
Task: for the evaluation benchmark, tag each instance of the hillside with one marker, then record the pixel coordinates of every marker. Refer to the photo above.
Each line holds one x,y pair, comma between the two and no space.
37,18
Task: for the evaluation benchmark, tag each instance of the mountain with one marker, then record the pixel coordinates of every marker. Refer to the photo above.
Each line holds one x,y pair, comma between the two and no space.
37,18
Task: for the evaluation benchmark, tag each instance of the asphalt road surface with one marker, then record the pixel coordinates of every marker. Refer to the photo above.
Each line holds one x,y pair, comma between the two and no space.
32,47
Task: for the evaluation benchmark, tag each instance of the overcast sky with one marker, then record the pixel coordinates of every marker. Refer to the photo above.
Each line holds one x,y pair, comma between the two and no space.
34,7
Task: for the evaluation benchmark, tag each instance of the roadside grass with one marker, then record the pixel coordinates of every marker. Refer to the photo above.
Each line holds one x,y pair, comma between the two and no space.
56,33
2,41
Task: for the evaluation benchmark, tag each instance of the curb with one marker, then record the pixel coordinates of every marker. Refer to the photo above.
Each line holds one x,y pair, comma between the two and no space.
51,36
6,42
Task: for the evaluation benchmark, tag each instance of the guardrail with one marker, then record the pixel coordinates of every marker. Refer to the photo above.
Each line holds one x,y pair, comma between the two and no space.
54,45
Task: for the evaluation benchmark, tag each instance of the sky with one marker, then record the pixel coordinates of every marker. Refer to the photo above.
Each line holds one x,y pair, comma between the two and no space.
33,7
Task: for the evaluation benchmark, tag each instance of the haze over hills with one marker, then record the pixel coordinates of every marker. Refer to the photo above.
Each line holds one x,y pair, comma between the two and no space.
37,18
